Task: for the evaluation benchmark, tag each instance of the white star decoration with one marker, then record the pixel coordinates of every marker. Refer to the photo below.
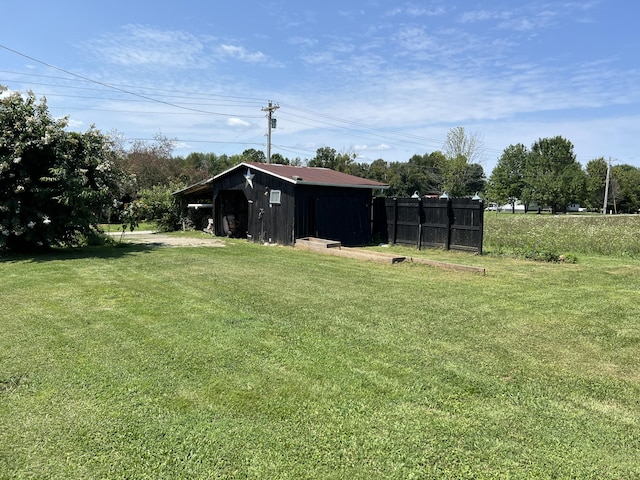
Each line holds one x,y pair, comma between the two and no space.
249,178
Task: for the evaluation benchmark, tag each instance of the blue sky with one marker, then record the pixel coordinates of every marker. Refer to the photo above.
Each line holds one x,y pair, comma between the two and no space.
381,78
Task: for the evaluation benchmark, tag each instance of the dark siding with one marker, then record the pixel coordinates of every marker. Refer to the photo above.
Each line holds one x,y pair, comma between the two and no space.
342,214
265,222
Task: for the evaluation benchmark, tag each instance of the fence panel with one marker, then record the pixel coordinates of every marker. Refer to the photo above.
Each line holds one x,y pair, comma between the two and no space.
403,220
466,225
440,223
435,226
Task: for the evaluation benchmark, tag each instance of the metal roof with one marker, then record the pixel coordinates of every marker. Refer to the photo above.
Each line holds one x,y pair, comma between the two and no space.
308,175
199,187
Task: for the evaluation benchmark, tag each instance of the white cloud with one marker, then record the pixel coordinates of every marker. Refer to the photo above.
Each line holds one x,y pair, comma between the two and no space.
238,122
413,10
242,54
372,148
139,45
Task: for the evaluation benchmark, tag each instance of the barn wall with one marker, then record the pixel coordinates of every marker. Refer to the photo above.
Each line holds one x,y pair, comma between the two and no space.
335,213
265,222
342,214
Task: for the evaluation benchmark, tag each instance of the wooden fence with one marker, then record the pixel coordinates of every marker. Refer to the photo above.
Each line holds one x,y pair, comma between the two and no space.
455,223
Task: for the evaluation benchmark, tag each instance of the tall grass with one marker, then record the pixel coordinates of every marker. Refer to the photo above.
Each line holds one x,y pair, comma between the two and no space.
611,235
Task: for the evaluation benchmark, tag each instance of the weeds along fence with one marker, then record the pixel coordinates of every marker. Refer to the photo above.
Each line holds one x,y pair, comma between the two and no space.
451,224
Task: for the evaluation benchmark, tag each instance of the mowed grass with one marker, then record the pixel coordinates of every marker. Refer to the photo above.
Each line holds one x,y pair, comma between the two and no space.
267,362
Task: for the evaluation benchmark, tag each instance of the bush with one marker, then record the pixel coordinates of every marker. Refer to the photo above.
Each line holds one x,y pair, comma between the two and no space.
53,184
162,207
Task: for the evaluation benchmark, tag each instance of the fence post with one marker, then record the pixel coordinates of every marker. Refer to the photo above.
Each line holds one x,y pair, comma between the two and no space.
395,220
449,224
419,224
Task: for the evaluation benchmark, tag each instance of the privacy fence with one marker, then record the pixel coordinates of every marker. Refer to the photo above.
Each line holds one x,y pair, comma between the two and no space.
452,224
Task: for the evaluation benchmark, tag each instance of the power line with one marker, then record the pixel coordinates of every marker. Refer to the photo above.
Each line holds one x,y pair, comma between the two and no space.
106,85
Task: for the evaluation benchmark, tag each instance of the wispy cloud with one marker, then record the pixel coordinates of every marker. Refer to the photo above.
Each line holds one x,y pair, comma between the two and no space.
238,122
139,45
241,53
414,10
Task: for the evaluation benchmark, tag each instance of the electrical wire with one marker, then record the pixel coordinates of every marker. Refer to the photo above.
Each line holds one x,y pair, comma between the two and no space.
292,113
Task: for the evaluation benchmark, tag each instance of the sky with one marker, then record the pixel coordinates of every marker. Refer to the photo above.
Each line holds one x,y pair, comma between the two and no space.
379,78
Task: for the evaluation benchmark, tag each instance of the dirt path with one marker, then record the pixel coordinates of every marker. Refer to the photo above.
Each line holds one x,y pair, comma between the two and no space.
152,238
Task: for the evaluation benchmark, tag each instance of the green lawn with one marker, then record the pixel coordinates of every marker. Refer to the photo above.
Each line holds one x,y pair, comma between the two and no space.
267,362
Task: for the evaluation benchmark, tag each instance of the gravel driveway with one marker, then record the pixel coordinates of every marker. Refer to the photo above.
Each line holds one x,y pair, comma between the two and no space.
152,238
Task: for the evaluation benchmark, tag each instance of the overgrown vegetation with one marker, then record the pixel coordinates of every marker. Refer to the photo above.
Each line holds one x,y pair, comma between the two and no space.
255,362
547,237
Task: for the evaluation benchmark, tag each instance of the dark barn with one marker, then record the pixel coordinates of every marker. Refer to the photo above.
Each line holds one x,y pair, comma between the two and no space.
272,203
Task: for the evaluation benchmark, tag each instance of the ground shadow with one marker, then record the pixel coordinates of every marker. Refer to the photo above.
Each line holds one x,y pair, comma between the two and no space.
118,250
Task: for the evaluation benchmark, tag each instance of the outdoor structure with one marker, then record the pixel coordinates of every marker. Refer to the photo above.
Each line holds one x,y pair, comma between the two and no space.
272,203
448,223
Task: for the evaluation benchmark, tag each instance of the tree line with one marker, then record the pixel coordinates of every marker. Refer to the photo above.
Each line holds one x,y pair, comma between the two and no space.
549,175
57,186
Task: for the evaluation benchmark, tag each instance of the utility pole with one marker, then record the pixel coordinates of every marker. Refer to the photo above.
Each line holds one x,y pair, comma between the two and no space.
606,188
271,124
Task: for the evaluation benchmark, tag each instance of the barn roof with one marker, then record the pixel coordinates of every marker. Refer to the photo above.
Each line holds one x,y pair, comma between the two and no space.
296,175
200,187
308,175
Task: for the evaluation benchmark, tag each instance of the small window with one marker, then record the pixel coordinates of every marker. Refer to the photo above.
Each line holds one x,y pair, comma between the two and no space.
274,197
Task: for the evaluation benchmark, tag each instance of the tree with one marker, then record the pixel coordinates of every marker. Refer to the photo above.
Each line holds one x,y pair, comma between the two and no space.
459,144
596,178
279,159
462,150
625,188
54,185
207,164
151,163
553,176
506,183
253,155
327,157
378,171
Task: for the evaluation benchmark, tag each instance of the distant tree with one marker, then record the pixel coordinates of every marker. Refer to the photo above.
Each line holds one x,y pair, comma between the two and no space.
279,159
253,155
378,170
626,188
460,144
152,163
398,180
327,157
54,185
462,150
596,177
506,183
359,169
553,176
207,164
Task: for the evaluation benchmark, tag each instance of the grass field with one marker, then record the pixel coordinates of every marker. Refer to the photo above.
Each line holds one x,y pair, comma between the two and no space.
267,362
610,235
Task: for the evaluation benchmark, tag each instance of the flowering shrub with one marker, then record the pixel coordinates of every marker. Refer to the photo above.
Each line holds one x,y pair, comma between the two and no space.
54,184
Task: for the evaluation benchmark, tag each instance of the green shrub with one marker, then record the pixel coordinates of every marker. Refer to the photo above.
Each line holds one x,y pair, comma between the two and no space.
162,207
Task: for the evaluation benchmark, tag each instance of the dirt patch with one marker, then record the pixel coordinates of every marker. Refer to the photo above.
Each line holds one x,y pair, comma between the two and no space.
152,238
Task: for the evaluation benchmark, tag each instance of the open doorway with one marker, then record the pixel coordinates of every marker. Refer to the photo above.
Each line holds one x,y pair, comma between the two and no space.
231,214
